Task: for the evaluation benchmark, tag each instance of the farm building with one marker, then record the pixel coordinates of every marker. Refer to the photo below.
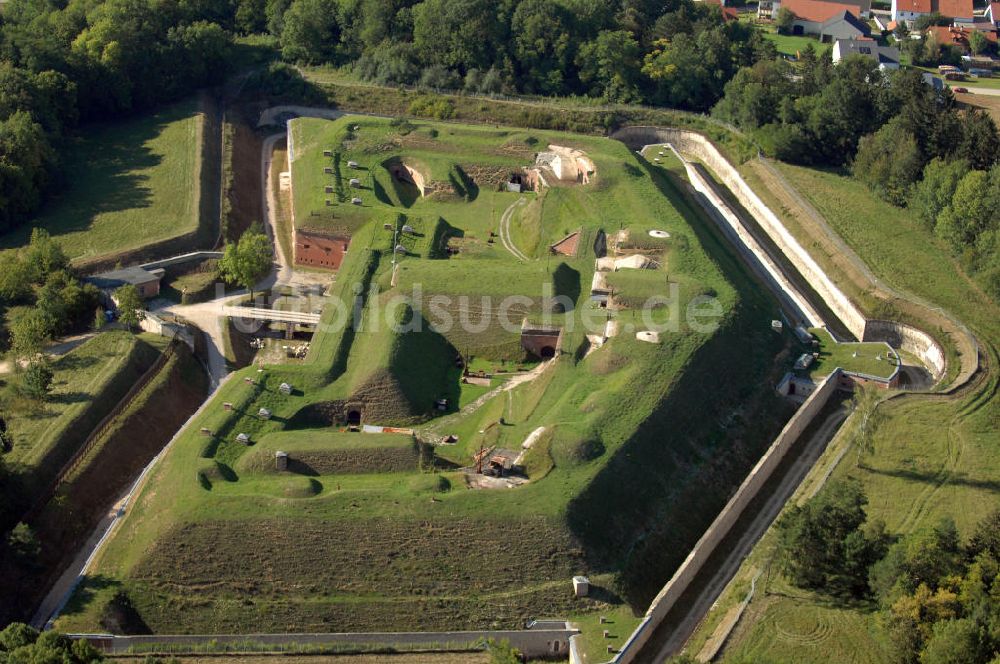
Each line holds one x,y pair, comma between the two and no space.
316,249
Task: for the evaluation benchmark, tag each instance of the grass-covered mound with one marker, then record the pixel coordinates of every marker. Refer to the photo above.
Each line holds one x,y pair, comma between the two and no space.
638,434
326,452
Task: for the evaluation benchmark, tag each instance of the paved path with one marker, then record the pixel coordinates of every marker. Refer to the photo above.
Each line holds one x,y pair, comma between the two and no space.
973,90
505,238
670,642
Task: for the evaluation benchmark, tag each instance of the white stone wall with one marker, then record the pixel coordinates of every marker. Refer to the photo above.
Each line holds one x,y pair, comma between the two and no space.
716,532
702,149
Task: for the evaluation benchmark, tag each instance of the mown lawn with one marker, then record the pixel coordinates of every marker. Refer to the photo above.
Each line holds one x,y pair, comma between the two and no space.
127,184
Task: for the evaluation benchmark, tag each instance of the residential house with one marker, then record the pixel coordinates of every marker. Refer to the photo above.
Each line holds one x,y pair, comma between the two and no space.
769,8
956,36
910,10
886,56
827,20
728,13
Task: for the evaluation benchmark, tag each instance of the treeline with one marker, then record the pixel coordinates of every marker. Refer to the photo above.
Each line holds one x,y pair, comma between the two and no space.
64,63
676,53
905,140
939,597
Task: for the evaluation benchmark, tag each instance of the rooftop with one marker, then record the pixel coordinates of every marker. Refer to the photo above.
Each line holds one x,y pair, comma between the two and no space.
129,275
819,11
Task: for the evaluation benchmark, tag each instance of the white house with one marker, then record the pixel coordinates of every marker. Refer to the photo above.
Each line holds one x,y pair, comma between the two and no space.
886,56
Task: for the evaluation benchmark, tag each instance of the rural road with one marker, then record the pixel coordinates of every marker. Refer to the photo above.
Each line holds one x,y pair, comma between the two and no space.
505,230
667,643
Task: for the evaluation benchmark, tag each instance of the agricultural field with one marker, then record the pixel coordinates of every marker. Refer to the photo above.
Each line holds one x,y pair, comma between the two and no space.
376,531
128,184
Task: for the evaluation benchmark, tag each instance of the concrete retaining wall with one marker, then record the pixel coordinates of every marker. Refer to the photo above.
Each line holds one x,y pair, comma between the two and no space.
796,303
701,148
911,340
716,532
190,257
531,642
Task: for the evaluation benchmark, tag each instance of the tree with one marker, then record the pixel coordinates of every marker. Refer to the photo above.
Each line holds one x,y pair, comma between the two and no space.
955,642
100,320
978,43
822,544
37,380
926,558
501,652
130,309
980,142
23,545
544,45
937,187
754,96
888,162
608,66
21,644
310,31
785,20
249,260
15,277
969,214
28,333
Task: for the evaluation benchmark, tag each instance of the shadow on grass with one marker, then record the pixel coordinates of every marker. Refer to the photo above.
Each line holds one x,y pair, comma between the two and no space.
103,175
645,509
955,479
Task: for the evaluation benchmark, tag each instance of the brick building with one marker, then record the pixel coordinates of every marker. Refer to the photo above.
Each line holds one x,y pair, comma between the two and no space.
320,250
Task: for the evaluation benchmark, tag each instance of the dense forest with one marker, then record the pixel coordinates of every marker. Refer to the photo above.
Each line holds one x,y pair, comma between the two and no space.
67,63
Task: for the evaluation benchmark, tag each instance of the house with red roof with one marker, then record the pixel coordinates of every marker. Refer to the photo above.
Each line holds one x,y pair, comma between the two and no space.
827,20
957,36
993,13
860,8
910,10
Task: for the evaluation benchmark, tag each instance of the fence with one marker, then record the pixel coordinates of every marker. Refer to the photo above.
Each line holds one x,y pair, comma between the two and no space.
98,432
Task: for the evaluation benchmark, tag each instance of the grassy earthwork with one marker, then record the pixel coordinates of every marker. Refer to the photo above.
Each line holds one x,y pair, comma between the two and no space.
127,185
87,383
375,531
931,458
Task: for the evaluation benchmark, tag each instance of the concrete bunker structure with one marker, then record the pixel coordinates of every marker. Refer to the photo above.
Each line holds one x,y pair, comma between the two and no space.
567,164
544,341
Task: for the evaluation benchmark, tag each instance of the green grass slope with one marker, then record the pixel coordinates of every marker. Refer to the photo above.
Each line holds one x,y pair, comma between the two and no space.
127,185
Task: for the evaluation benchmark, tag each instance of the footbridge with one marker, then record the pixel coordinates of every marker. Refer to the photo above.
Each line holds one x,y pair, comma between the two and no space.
289,318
